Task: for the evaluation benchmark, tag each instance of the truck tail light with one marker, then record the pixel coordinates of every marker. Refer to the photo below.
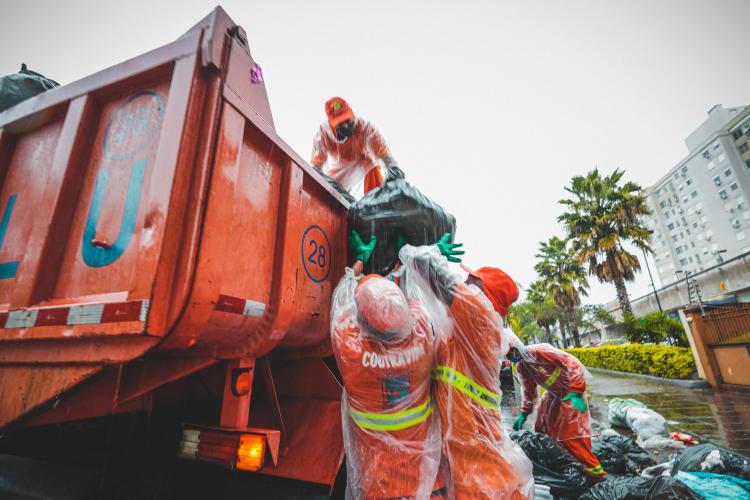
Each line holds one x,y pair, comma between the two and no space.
232,449
251,451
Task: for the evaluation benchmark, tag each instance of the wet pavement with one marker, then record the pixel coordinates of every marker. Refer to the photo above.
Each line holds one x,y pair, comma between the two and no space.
721,417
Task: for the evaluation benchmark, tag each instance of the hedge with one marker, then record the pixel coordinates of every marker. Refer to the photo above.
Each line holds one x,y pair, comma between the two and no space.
661,361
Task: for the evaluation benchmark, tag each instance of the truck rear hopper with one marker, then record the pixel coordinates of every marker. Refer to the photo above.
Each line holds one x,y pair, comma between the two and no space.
154,226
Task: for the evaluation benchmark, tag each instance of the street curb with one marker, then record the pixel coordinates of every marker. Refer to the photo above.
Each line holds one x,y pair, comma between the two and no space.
691,384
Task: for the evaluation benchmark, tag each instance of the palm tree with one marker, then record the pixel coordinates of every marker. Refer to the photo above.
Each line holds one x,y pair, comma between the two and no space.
601,216
564,278
546,311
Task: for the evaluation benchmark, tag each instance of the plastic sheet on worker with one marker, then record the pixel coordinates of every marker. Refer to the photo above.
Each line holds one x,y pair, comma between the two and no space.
557,374
384,349
481,461
397,212
350,160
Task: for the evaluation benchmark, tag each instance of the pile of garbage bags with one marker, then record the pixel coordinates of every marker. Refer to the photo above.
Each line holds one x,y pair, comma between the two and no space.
649,426
620,455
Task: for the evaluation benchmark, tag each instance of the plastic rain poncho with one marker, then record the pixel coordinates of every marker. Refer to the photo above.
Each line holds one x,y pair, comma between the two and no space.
384,349
350,160
559,374
481,460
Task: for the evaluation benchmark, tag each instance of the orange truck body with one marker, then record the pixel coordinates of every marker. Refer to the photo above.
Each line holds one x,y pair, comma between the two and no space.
154,226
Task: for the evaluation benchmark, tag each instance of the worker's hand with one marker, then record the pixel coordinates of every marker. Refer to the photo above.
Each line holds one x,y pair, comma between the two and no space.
518,424
576,401
448,249
362,251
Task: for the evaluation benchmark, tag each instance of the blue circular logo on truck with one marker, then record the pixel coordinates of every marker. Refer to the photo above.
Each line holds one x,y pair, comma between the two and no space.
316,253
133,126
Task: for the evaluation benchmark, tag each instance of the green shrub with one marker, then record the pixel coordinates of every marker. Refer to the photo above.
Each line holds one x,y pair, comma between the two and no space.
658,360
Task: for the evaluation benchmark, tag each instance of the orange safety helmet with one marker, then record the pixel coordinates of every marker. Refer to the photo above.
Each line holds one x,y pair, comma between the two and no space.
383,305
338,111
497,286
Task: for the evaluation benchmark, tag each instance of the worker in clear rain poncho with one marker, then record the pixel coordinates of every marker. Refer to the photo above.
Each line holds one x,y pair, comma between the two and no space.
563,412
383,341
349,149
481,460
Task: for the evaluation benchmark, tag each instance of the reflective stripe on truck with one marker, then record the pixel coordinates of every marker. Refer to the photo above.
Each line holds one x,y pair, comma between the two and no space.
87,314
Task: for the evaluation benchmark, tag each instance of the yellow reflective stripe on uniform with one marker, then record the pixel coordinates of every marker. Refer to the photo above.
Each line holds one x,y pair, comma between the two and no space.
551,379
392,421
598,470
467,386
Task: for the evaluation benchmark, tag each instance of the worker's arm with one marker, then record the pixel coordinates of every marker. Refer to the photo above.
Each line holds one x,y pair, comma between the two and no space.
319,152
529,388
362,251
376,145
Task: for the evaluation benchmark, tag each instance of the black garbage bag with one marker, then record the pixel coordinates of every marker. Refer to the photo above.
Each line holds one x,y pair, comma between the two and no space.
639,488
711,458
338,187
630,449
634,458
612,459
396,208
22,85
553,465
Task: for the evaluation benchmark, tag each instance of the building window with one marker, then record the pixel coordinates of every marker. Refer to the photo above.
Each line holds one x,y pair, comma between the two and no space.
747,162
689,181
692,244
679,250
670,226
722,157
733,186
695,225
740,235
663,204
743,148
706,154
684,169
694,194
723,194
704,250
727,172
683,262
735,222
740,202
717,180
737,134
685,199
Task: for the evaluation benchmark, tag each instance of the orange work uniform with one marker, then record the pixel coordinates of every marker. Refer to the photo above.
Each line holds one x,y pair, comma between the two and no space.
484,463
351,160
559,373
391,436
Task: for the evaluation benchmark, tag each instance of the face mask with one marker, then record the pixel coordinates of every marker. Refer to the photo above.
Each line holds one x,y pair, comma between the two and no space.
514,359
344,130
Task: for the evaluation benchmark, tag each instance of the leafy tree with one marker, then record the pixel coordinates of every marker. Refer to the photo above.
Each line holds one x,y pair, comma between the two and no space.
654,328
545,310
523,321
591,317
564,279
601,217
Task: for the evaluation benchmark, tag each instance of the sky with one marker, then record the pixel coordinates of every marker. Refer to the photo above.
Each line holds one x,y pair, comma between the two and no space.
490,107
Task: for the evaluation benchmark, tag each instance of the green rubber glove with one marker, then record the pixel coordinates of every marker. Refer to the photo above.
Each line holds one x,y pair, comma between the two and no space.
576,401
448,249
518,424
362,251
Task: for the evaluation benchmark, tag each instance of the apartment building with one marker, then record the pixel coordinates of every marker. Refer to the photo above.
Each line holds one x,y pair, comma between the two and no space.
701,210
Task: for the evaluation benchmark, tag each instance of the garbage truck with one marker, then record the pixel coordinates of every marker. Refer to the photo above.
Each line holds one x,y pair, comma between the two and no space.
162,247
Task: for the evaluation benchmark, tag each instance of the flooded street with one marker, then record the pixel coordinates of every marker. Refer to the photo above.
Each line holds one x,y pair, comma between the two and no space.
721,417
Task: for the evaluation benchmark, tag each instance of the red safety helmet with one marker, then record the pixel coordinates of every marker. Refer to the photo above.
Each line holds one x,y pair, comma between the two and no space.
497,286
338,111
383,305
